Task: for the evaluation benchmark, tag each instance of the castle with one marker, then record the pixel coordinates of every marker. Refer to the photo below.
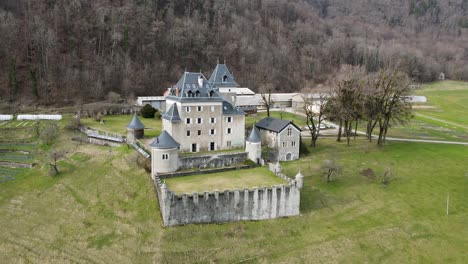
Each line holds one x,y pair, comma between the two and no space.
198,118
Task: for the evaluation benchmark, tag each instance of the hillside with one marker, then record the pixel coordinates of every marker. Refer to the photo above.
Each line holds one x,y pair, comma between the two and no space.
65,52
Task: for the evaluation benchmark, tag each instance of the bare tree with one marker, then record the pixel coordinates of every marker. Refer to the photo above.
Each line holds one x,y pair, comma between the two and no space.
265,92
54,156
331,169
314,109
392,88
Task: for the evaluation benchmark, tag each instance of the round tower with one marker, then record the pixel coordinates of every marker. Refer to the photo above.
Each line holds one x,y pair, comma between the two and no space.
164,154
253,146
135,129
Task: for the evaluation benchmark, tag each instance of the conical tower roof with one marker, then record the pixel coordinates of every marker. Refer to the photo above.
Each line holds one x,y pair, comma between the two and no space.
254,137
135,123
164,141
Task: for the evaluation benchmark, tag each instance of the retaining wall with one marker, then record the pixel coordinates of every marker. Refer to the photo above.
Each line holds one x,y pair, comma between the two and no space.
211,160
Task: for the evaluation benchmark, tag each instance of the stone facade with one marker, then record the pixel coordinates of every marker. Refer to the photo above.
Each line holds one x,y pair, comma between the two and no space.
164,160
286,142
203,126
229,205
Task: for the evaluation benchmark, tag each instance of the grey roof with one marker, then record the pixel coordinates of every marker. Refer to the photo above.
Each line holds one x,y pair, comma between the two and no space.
164,141
254,137
135,123
221,77
229,109
274,124
172,114
193,86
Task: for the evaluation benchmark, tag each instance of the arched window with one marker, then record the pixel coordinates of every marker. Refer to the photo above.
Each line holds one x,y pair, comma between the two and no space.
197,94
189,94
210,93
225,78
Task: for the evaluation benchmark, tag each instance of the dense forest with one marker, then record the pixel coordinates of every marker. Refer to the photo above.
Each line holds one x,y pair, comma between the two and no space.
69,51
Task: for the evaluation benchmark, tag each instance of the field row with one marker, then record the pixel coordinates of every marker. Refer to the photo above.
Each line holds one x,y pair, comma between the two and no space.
17,123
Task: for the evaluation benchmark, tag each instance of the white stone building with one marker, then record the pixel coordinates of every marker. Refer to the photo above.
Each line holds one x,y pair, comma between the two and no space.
199,119
281,135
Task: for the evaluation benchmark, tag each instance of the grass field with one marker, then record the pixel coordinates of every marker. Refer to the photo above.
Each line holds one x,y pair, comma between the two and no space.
118,124
102,209
443,117
238,179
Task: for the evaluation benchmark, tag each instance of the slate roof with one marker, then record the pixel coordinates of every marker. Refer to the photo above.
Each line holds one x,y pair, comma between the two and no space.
221,71
172,114
135,123
164,141
188,88
274,124
254,137
229,109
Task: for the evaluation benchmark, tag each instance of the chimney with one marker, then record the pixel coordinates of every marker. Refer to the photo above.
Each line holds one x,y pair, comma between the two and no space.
200,81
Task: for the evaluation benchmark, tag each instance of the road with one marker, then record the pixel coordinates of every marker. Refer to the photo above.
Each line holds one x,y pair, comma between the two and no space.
306,133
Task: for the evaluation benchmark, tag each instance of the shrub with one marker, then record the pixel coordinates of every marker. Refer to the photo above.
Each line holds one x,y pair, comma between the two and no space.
148,111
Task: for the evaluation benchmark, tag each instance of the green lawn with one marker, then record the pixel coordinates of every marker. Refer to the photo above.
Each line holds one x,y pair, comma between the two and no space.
238,179
443,117
118,124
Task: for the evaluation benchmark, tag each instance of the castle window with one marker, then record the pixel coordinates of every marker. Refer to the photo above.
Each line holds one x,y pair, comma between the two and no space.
199,132
212,146
228,143
199,108
293,143
210,94
188,121
165,156
187,109
229,119
189,94
194,147
188,133
289,131
213,120
212,108
197,94
225,78
212,131
199,120
285,144
228,130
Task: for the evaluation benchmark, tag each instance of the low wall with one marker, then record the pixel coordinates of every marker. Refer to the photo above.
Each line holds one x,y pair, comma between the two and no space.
211,160
228,205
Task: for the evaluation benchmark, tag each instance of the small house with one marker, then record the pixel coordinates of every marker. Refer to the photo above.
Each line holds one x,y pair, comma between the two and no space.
281,135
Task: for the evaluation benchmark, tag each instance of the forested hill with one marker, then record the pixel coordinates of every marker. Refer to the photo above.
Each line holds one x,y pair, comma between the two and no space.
63,51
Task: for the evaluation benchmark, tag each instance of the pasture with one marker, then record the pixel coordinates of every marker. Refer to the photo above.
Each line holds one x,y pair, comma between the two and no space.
102,208
118,124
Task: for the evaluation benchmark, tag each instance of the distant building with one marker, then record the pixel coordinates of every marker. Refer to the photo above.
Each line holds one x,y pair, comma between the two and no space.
281,135
158,102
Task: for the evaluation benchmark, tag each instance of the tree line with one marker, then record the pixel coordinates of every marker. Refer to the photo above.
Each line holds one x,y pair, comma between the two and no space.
379,100
65,52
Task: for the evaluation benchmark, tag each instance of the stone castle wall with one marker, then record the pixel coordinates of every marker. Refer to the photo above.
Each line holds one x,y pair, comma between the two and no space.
212,160
229,205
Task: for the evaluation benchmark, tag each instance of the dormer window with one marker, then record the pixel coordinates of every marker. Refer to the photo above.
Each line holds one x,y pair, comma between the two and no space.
210,93
197,94
225,78
189,94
